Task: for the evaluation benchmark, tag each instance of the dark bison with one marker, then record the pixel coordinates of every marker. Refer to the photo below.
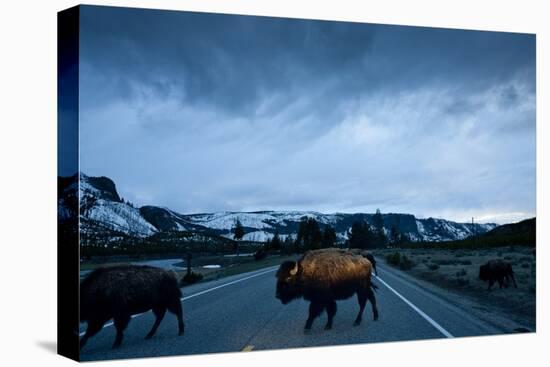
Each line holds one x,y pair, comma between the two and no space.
119,292
372,261
497,271
367,255
324,276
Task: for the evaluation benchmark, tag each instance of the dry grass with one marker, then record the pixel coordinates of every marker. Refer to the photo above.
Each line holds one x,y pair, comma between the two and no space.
238,267
458,270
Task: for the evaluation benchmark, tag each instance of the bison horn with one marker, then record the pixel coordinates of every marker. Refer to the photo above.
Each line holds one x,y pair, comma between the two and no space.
294,270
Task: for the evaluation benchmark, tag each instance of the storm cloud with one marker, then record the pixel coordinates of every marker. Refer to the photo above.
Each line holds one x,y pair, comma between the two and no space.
208,112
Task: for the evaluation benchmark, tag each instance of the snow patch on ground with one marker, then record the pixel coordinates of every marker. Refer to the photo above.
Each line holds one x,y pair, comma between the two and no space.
212,266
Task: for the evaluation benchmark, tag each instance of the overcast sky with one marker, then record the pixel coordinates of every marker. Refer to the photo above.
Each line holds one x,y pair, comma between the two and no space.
204,112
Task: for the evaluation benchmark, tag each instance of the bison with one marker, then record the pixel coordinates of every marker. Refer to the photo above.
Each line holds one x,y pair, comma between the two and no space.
499,271
324,276
121,291
367,255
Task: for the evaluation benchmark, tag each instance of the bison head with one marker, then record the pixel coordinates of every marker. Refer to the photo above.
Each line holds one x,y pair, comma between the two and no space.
483,272
287,282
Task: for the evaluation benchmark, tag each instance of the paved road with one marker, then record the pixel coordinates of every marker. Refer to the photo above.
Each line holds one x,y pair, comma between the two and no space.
241,313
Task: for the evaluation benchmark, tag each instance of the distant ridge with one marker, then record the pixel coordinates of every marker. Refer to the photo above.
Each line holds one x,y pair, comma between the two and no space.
102,209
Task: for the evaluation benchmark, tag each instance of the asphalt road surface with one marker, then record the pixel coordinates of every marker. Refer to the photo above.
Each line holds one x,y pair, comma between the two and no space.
241,313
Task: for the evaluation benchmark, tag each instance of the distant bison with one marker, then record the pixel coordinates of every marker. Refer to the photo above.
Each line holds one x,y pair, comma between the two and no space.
367,255
324,276
119,292
497,271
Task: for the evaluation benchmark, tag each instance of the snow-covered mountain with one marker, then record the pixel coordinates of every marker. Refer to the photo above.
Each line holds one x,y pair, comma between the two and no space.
264,224
101,208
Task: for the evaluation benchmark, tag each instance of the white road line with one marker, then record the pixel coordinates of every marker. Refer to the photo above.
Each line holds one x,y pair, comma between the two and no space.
419,311
205,291
230,283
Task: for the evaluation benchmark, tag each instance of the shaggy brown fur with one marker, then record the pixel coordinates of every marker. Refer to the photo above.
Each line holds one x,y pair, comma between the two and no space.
122,291
324,276
497,271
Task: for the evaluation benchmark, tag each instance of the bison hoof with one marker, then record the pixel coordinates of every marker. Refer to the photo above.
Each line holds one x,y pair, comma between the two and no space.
148,336
357,323
180,333
328,327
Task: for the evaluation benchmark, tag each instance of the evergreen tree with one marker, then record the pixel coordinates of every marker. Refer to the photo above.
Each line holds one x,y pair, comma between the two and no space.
395,235
309,234
287,245
377,221
238,230
276,241
238,234
329,236
360,235
379,237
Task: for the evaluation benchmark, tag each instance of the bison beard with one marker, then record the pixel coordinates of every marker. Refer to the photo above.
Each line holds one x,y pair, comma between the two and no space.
122,291
324,276
497,271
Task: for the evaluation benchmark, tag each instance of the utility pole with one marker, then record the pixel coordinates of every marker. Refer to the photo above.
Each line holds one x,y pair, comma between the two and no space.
474,230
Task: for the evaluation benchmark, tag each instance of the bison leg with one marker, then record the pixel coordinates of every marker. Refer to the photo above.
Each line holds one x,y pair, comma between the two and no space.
500,282
175,308
331,311
315,309
372,299
362,299
159,314
491,282
121,322
513,280
93,328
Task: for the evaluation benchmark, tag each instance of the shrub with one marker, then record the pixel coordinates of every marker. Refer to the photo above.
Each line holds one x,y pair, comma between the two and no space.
406,263
446,262
466,262
462,282
190,278
260,254
525,265
403,262
461,273
433,266
393,259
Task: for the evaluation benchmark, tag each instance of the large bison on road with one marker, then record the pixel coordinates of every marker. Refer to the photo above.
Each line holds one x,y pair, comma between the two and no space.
119,292
324,276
